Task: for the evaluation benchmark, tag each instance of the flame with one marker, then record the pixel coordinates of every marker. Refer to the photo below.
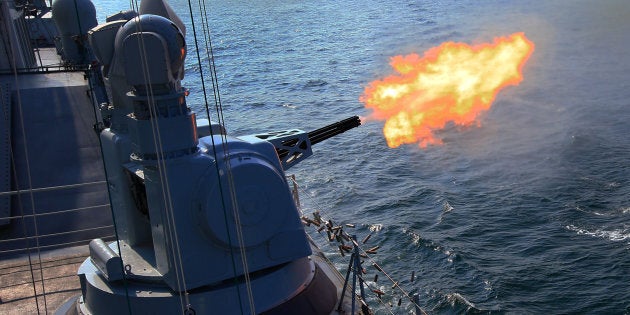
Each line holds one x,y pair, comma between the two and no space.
453,82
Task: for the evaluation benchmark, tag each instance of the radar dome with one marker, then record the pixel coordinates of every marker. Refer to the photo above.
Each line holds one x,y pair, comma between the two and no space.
171,34
73,19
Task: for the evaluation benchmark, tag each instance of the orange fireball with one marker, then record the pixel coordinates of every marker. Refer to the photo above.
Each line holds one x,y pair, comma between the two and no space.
453,82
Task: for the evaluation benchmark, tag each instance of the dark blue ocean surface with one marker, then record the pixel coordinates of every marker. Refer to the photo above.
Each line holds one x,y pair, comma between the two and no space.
527,213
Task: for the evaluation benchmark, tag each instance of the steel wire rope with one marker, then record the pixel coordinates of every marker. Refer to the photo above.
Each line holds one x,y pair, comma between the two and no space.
164,182
109,196
18,266
49,188
219,106
133,4
30,182
82,47
58,245
221,121
395,283
367,284
57,212
374,263
55,234
24,228
328,244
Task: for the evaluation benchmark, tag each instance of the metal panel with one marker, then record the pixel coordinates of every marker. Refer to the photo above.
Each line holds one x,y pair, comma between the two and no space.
5,152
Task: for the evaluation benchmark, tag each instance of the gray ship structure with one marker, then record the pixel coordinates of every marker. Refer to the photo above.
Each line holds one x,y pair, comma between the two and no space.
115,198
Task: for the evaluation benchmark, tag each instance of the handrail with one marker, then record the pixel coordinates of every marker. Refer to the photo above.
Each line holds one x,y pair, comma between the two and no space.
56,212
55,234
46,69
50,188
337,233
61,245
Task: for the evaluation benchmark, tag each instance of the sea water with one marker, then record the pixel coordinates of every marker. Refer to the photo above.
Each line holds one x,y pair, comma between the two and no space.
529,212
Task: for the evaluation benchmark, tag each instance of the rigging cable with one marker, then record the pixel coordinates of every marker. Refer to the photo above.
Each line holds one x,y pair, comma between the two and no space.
296,187
23,216
365,254
161,161
30,183
221,121
109,195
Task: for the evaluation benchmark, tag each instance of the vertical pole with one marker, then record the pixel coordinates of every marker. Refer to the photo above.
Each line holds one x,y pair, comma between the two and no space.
354,279
345,283
358,266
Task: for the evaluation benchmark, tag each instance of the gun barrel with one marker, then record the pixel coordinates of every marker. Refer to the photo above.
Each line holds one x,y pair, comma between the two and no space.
334,129
323,133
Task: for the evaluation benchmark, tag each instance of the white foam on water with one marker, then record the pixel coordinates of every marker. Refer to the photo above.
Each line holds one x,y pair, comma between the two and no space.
456,297
615,235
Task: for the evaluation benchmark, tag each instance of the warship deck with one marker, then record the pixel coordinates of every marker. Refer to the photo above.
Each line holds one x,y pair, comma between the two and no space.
55,189
43,283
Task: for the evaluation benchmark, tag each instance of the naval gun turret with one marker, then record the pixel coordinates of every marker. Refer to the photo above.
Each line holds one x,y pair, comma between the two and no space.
205,224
